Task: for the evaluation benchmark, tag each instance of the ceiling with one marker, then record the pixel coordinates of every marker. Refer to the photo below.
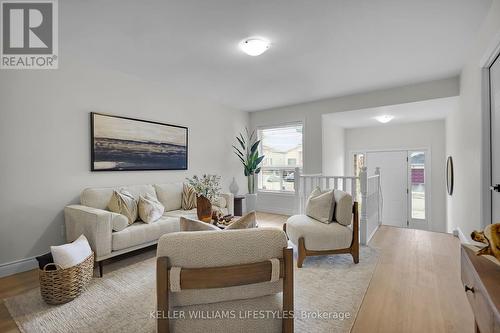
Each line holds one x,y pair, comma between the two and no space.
320,48
431,109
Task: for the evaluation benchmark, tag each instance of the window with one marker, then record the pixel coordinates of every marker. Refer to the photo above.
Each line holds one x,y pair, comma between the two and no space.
282,148
417,176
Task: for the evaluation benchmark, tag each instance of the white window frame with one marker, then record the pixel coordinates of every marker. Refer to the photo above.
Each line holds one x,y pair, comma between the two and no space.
283,168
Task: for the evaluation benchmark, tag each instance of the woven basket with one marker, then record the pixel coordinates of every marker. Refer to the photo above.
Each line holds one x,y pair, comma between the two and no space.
63,285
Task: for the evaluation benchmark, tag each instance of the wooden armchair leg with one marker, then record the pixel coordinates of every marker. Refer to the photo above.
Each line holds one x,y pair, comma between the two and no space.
302,252
355,255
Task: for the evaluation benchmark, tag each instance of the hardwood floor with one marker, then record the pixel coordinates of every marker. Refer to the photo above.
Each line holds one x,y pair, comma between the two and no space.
415,287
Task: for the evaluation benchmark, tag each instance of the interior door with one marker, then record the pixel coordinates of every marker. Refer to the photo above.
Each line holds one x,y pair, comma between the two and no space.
495,139
393,183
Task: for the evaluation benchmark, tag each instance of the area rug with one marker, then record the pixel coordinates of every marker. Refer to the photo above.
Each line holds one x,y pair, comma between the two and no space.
328,293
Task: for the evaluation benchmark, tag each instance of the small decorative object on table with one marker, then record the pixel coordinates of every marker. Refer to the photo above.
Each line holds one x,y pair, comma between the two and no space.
207,190
233,187
491,237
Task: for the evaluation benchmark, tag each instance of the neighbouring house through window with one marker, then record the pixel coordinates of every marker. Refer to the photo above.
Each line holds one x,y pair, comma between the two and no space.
282,147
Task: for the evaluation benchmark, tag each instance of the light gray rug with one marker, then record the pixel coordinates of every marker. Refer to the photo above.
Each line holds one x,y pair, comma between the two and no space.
326,289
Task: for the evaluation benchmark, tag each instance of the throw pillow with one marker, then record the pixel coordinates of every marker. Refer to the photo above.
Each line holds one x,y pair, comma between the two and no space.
343,207
118,221
188,197
150,209
187,224
69,255
122,202
247,221
220,202
320,205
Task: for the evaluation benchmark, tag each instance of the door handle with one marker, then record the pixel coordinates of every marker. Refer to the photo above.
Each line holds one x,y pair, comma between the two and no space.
495,188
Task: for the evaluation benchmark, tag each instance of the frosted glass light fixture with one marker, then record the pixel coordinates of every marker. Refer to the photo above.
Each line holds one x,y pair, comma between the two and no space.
255,46
384,118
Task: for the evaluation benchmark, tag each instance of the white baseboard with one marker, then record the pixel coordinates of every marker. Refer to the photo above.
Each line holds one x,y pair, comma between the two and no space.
18,266
373,233
463,239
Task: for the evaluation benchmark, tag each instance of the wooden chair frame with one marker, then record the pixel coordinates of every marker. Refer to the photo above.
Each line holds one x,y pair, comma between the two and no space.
353,249
221,277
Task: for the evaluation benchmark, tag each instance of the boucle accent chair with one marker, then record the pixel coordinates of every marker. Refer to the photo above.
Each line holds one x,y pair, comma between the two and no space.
314,238
235,271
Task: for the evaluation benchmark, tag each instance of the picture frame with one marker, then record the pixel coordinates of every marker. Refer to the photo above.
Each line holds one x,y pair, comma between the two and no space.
129,144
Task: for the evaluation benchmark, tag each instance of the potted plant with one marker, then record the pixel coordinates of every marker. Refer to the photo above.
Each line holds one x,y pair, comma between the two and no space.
248,154
207,190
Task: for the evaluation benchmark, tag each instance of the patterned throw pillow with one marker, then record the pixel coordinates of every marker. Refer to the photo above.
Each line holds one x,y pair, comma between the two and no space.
122,202
246,221
320,205
150,209
188,197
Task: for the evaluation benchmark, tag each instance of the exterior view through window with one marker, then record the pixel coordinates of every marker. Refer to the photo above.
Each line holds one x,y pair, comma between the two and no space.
282,147
417,174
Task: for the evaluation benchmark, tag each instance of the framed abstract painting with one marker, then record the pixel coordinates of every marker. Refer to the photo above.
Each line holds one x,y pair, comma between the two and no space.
128,144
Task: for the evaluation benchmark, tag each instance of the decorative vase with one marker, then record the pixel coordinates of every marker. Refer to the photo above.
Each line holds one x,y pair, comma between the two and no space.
204,209
251,201
233,187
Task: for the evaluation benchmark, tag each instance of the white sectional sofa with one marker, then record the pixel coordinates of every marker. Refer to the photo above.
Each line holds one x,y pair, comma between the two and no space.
92,219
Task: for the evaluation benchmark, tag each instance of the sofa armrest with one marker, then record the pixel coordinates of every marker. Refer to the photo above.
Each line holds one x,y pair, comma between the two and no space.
229,202
95,224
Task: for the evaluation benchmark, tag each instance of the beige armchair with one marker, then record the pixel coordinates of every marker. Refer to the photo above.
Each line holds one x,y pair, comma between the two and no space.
314,238
219,281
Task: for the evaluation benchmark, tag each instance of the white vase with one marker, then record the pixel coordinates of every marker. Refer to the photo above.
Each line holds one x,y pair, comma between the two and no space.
251,202
233,187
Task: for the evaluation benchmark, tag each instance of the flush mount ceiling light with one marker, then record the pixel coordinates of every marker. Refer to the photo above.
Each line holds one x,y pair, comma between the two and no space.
254,46
384,118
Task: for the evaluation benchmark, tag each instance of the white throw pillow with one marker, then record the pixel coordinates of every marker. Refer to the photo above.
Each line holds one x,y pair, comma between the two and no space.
69,255
343,207
320,205
150,209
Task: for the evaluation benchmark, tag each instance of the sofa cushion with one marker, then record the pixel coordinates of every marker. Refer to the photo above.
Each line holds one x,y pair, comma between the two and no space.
170,195
98,197
191,214
118,221
343,207
140,232
123,202
249,307
318,236
320,205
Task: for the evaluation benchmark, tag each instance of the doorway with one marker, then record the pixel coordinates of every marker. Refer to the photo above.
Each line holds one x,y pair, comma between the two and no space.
404,183
494,74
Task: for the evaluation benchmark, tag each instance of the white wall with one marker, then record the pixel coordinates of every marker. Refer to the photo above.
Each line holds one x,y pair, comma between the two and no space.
465,137
333,147
45,145
311,115
429,134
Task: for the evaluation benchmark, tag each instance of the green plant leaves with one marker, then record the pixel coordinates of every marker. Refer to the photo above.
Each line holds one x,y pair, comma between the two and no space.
248,154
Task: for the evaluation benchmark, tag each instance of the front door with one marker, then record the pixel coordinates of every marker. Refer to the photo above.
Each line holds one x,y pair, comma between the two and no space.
393,183
495,139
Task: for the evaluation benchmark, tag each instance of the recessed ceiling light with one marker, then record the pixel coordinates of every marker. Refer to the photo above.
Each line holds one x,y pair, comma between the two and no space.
254,46
384,118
